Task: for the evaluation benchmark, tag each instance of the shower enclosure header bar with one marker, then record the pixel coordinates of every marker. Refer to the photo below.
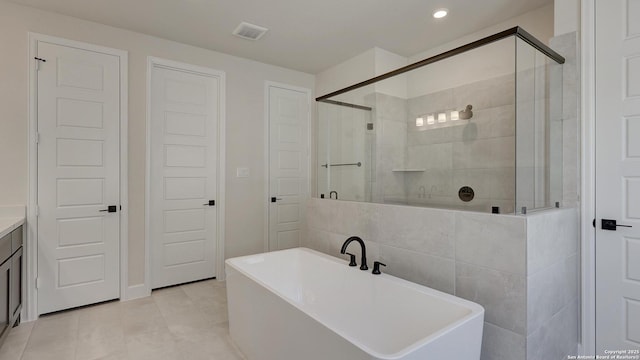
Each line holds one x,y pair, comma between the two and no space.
342,103
517,31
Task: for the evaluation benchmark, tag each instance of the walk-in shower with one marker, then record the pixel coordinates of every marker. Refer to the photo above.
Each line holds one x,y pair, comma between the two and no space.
476,128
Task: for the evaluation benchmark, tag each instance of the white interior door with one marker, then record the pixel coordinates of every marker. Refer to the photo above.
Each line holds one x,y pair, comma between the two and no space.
185,110
618,175
78,177
288,165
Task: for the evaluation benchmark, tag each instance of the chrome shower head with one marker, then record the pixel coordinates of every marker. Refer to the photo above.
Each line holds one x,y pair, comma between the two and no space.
466,114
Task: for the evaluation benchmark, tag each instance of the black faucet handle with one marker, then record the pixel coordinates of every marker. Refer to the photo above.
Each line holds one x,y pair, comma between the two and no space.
376,267
352,259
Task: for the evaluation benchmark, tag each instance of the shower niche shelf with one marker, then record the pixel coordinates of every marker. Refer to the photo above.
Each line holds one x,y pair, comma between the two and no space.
408,170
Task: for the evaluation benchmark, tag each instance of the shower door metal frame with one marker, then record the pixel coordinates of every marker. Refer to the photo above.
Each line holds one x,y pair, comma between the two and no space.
514,31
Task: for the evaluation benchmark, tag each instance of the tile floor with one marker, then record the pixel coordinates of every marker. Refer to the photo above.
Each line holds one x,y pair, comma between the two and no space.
187,322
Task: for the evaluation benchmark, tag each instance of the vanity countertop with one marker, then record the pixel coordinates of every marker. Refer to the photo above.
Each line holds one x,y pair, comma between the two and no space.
8,224
11,217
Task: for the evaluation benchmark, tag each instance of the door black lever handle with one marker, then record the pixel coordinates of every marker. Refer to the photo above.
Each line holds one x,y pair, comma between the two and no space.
110,208
610,224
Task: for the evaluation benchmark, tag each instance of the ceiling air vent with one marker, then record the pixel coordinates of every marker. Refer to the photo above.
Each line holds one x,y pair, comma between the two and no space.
249,31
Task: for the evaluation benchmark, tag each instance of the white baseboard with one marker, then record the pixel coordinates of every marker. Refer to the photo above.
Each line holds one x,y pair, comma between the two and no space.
135,292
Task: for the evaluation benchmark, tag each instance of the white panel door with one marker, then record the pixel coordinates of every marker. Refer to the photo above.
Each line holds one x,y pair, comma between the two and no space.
288,165
78,177
618,175
184,165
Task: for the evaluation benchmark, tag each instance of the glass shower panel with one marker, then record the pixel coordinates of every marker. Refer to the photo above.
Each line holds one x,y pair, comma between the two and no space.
325,112
538,129
556,149
461,131
476,128
345,130
525,127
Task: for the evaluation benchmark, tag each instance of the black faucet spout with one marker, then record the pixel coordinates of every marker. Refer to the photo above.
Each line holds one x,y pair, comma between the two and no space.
363,262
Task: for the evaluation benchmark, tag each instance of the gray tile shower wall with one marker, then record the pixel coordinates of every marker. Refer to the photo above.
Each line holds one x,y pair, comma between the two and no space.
479,154
389,114
522,269
553,279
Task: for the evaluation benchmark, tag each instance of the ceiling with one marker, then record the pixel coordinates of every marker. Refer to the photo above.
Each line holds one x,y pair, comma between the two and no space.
304,35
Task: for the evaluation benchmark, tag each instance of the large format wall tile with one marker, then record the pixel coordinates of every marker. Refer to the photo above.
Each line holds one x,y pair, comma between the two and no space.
501,344
552,235
431,271
430,103
502,89
484,153
353,219
558,337
318,214
317,240
549,290
426,137
501,294
394,142
434,156
390,108
493,241
419,229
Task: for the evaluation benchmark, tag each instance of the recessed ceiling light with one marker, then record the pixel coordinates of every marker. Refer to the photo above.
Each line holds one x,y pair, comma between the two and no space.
440,13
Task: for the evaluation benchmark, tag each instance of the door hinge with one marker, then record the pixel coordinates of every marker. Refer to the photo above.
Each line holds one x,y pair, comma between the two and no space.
38,61
37,138
38,283
37,210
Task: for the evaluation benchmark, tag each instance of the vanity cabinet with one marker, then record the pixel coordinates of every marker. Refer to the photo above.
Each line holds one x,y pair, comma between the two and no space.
11,259
5,285
15,287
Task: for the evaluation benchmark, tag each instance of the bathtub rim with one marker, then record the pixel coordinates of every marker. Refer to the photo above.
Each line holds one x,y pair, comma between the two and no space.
476,310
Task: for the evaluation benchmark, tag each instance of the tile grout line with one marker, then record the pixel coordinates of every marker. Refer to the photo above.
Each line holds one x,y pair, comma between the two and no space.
26,345
75,345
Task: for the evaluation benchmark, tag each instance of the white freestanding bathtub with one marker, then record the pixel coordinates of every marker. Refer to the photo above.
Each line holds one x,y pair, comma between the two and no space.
299,304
